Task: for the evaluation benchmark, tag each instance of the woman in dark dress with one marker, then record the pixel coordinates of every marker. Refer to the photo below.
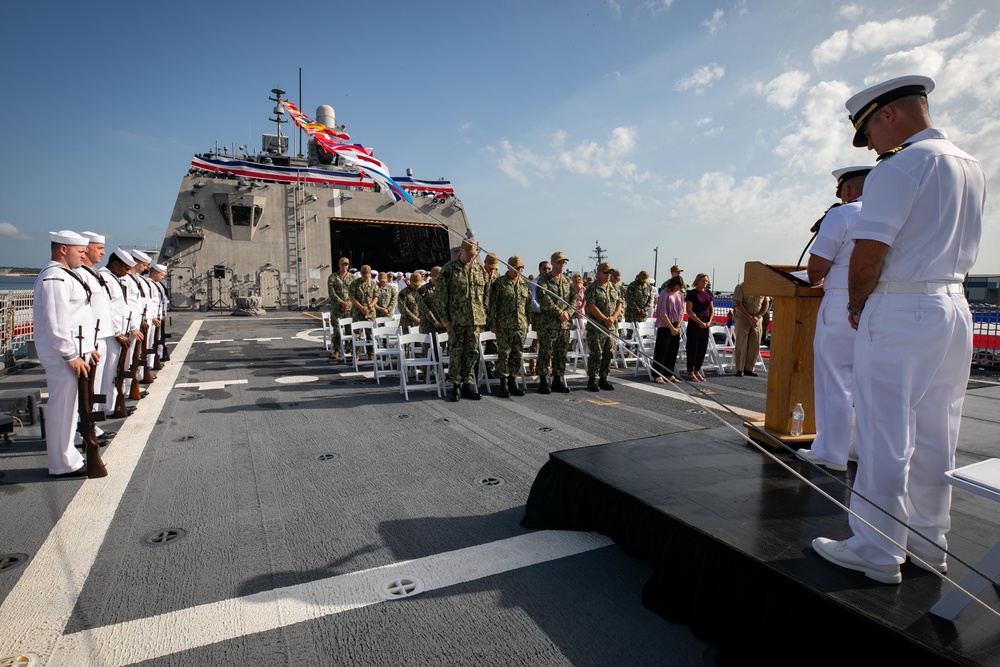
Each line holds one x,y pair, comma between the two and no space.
698,305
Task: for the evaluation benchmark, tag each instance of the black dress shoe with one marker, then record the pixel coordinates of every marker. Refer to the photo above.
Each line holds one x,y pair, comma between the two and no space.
79,472
592,385
750,374
739,374
605,385
470,392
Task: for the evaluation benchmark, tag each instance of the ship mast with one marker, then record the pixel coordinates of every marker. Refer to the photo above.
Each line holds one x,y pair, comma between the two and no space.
279,111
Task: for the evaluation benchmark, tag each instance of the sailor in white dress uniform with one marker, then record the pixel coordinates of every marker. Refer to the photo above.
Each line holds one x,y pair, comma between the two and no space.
61,309
917,237
833,343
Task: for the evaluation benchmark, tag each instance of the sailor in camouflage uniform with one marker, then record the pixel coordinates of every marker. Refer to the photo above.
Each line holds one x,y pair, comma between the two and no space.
364,297
430,321
409,303
462,300
508,315
556,299
340,301
638,298
603,307
492,266
616,283
386,297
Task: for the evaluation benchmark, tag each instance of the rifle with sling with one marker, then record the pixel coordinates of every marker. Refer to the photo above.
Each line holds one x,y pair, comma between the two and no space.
149,347
121,410
165,356
95,466
138,360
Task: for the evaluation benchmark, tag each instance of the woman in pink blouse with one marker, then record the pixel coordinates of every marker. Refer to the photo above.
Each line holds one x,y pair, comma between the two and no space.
669,313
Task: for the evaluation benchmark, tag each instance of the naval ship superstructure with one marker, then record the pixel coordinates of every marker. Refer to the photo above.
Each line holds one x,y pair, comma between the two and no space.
273,225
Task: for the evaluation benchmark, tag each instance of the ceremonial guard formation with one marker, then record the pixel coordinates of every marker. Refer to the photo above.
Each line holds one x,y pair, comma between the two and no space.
84,317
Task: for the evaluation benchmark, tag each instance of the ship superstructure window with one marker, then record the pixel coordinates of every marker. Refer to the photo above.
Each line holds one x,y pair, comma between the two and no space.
241,216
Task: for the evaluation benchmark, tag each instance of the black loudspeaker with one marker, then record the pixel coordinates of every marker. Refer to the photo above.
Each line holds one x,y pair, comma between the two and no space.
219,271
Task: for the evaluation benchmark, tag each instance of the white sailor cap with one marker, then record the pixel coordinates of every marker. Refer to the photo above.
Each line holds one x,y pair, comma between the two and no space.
863,104
141,256
67,237
847,173
159,268
125,257
94,237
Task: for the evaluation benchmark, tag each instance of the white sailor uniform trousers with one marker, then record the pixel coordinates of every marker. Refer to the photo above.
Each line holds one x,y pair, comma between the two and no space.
913,350
119,318
833,342
137,302
100,303
60,309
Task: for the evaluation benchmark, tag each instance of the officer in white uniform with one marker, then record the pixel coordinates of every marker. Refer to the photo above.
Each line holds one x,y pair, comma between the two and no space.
113,273
916,239
136,290
152,302
100,302
157,272
833,343
61,308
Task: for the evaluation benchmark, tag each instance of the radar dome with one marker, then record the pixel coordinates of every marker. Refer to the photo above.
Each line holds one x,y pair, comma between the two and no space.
325,115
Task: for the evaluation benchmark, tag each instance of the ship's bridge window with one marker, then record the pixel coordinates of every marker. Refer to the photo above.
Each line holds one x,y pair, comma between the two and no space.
241,216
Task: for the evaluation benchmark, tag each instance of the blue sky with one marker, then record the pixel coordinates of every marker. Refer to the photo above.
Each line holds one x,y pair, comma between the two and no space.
706,129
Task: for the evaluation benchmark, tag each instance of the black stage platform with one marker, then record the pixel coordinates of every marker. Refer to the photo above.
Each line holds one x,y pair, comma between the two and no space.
727,531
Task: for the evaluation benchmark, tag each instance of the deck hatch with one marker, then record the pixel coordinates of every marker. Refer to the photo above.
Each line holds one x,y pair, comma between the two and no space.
10,561
402,587
164,536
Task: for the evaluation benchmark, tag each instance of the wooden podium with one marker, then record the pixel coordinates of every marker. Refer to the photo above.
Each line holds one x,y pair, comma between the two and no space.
790,372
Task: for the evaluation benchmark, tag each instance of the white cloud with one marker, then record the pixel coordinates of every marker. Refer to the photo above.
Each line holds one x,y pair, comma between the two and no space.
713,24
9,231
701,122
464,127
783,90
874,36
711,132
607,161
820,141
701,78
832,49
850,11
655,6
616,9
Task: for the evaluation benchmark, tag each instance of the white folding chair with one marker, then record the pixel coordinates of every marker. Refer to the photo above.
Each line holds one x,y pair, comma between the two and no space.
718,356
386,350
344,325
482,376
626,346
384,321
360,339
441,354
417,351
327,331
645,345
577,349
527,356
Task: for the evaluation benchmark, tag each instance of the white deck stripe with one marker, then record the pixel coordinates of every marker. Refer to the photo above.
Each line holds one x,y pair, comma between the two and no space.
36,611
144,639
678,395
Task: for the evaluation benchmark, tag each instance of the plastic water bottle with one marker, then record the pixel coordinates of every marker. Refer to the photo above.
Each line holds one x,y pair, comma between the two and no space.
798,419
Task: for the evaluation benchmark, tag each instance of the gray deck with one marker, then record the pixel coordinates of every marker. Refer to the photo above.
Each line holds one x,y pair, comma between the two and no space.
301,500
